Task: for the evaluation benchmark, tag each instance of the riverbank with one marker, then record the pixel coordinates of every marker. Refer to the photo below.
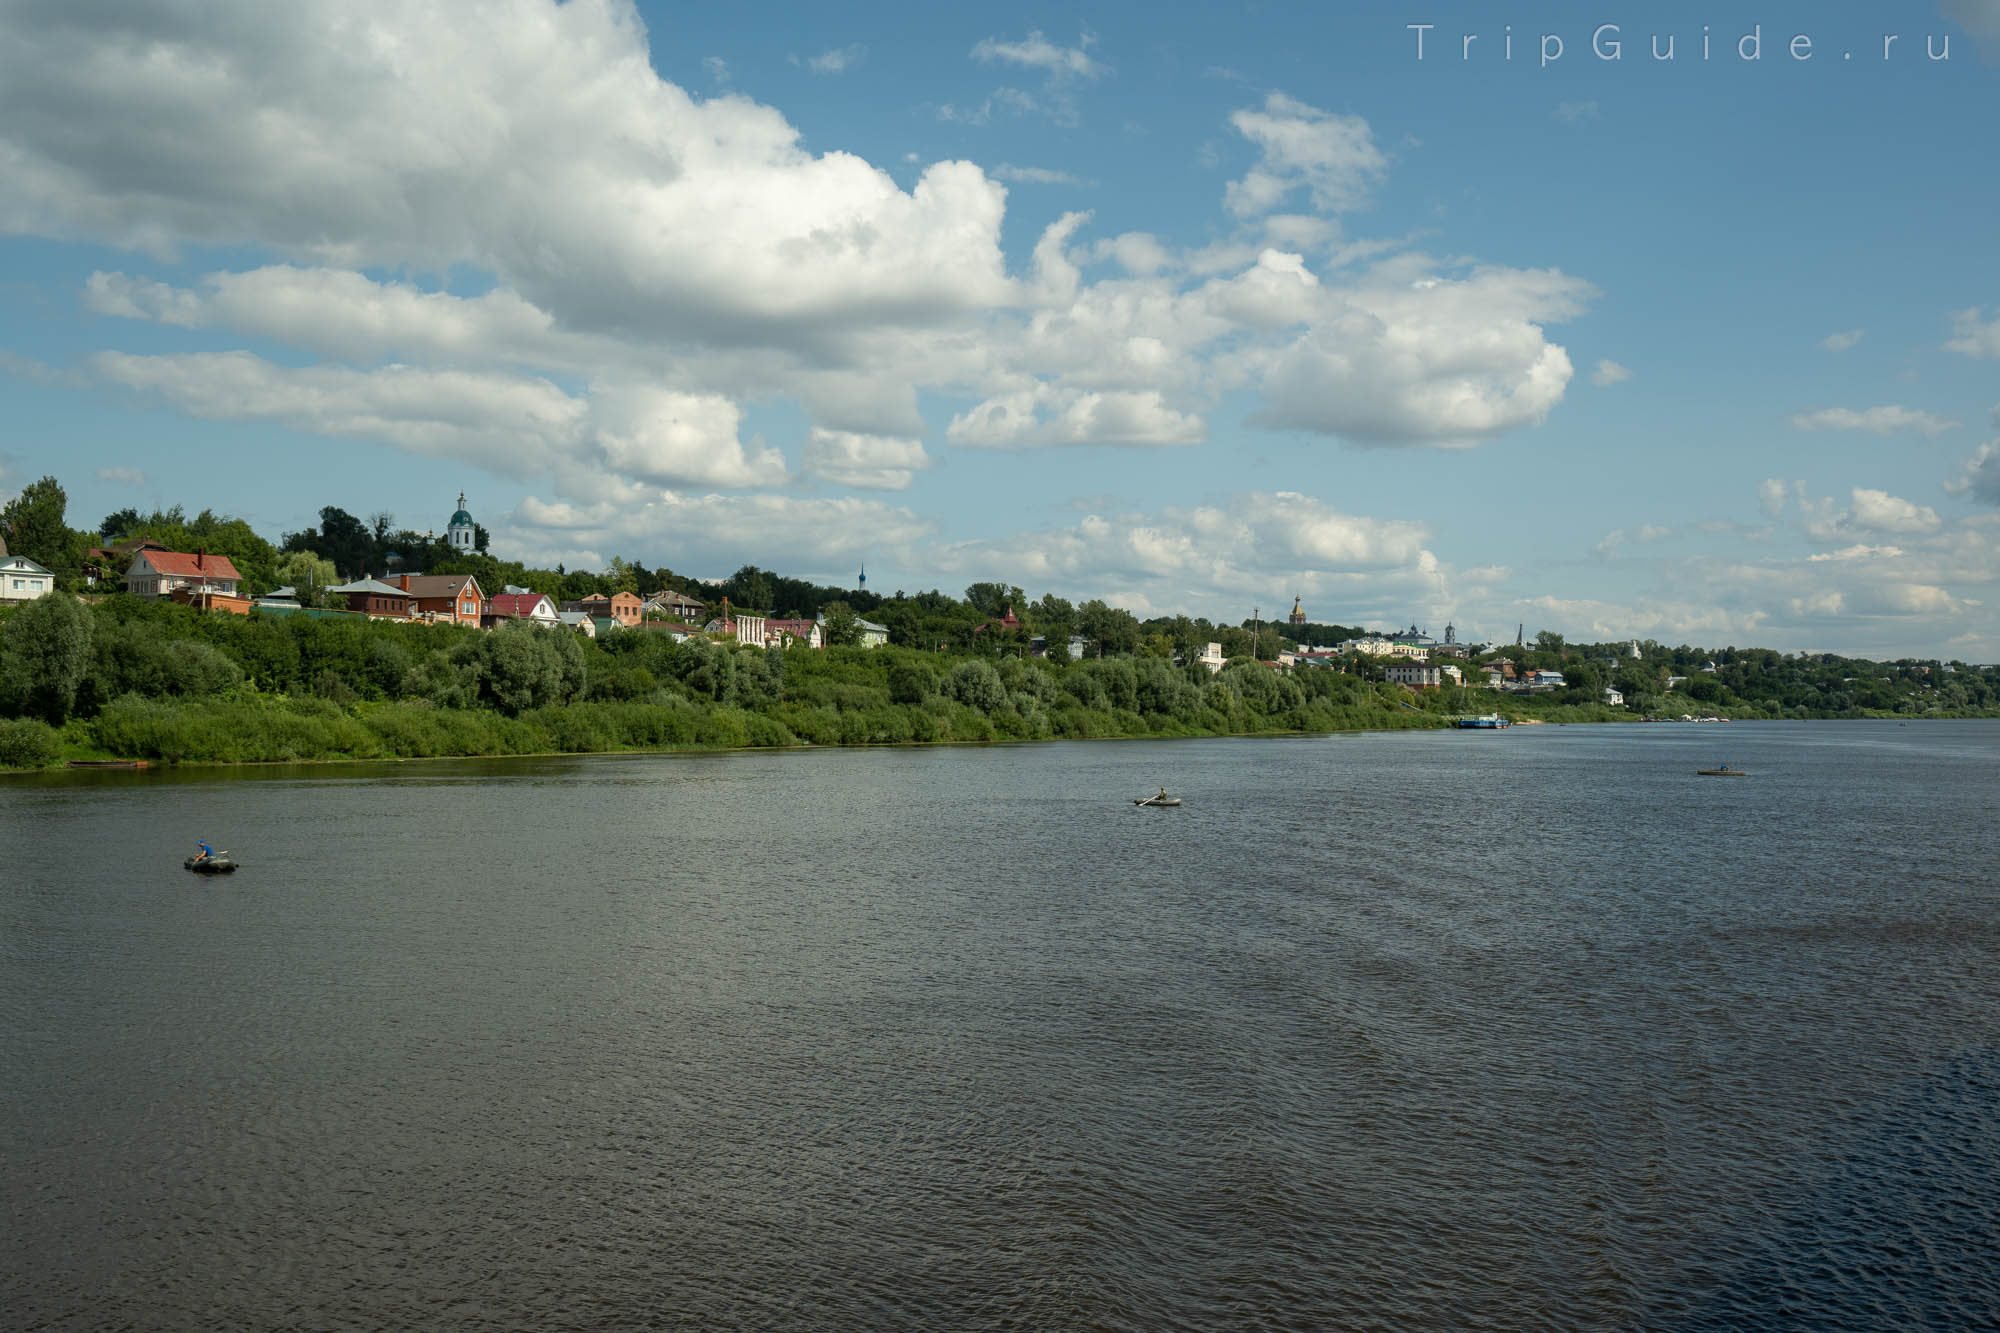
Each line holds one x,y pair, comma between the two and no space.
265,730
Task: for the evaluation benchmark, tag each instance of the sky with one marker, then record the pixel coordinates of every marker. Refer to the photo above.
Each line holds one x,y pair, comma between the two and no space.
1192,308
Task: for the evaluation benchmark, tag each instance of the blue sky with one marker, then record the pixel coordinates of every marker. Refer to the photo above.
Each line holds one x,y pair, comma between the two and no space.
1189,308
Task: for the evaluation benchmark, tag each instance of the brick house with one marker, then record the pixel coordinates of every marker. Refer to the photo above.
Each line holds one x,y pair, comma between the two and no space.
453,598
375,599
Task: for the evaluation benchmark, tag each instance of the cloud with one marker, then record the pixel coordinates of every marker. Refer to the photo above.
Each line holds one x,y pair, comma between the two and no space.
1049,415
1039,53
1611,542
1771,493
1878,511
1609,373
870,462
1867,511
29,370
1034,176
627,263
717,69
818,538
1573,113
1438,360
513,425
1885,420
544,150
1980,477
1974,337
1332,158
1062,68
123,476
1841,342
839,60
1218,559
1858,551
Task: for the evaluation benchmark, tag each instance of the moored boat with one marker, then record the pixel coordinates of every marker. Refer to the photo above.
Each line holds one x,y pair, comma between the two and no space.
1488,722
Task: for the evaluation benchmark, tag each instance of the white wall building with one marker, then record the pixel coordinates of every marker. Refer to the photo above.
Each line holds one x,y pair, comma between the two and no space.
22,580
1413,674
461,533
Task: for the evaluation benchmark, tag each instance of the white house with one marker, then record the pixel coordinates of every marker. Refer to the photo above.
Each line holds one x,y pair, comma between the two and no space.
1416,675
580,621
1211,657
1616,698
22,580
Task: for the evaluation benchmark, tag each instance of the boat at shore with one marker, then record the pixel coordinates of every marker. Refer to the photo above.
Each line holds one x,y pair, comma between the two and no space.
1486,722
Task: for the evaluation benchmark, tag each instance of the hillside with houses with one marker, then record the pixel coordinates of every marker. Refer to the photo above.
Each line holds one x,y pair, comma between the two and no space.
168,638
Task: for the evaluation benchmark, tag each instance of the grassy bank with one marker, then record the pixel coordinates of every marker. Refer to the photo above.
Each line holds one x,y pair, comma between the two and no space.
274,729
132,680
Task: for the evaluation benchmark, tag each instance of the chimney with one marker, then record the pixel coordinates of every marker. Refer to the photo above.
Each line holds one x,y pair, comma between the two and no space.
403,582
201,553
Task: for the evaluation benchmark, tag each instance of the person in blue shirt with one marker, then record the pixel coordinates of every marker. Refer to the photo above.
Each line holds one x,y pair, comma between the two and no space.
207,853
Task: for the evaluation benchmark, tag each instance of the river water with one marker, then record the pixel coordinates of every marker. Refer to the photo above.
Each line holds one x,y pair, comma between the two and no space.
1533,1028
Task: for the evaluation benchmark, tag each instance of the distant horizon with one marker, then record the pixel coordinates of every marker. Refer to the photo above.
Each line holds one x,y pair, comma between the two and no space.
1164,309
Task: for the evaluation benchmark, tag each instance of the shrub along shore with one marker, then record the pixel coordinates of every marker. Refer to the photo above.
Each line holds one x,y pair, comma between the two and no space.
131,679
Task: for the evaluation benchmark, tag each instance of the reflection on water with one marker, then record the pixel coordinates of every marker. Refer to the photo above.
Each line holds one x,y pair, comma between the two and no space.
1532,1028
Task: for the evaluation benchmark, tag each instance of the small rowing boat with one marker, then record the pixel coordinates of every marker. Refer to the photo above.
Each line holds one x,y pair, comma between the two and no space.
211,865
1162,799
1724,772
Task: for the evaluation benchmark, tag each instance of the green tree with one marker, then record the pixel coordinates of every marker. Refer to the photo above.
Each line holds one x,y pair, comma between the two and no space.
528,666
993,599
843,627
977,685
911,680
35,525
47,655
310,574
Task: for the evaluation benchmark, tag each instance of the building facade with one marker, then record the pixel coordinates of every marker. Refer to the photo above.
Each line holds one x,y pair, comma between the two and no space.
462,532
22,580
159,573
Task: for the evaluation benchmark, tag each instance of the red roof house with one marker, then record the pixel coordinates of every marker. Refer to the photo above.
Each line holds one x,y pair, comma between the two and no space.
158,573
531,606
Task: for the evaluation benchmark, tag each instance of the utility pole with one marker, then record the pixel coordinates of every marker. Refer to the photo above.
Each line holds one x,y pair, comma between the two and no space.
1257,613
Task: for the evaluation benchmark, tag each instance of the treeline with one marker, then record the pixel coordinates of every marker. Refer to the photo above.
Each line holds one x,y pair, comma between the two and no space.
1755,683
133,679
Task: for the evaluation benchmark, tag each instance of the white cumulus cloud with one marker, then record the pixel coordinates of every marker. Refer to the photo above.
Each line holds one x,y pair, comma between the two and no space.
1974,336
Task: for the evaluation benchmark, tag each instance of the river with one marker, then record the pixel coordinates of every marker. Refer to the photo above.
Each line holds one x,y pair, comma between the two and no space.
1533,1028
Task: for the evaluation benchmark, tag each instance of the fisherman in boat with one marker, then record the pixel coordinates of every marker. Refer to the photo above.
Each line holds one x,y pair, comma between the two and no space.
207,853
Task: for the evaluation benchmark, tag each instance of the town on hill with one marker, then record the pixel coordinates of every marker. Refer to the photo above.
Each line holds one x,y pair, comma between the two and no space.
164,637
